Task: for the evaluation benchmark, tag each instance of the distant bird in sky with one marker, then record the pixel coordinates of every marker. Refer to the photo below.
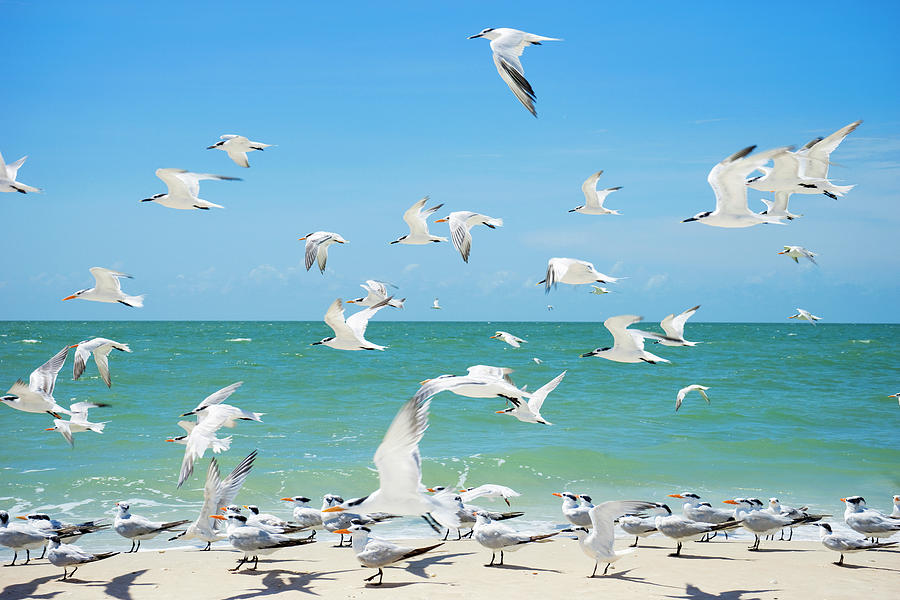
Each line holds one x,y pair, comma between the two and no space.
628,344
593,198
798,252
77,422
100,348
461,223
507,46
184,189
377,553
350,333
37,395
237,147
435,305
509,338
727,179
416,219
8,173
686,390
599,290
806,316
573,272
317,247
674,327
107,288
376,292
549,307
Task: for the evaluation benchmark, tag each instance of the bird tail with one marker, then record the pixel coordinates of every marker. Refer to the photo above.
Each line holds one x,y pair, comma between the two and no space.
172,524
883,544
24,189
419,551
505,516
539,538
292,542
397,303
220,445
494,222
103,556
726,525
840,190
98,427
134,301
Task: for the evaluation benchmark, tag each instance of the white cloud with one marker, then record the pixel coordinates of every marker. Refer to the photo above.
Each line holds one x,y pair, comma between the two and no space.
656,281
410,268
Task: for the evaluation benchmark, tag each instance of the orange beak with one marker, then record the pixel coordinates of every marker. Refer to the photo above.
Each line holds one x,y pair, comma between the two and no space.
23,518
785,252
675,496
351,301
343,531
224,508
334,509
303,238
69,297
424,381
557,494
245,506
431,490
499,412
50,429
441,221
729,501
219,517
288,499
73,346
843,499
340,242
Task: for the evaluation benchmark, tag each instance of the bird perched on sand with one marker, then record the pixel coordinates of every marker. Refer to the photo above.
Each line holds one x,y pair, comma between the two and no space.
806,316
100,349
416,218
845,544
8,173
137,528
593,198
77,422
498,536
509,338
237,147
461,223
252,541
507,45
798,252
377,553
597,542
36,396
68,555
19,536
869,522
317,247
184,189
686,390
107,288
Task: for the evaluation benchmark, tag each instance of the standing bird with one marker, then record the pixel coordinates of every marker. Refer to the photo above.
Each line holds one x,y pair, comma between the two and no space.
674,328
37,395
317,247
217,492
703,512
350,333
576,515
377,553
593,198
107,288
845,544
304,515
184,189
869,522
727,179
253,541
628,344
509,338
67,555
530,412
682,529
797,252
776,507
641,526
686,390
461,223
66,532
416,219
137,528
761,522
895,512
100,348
806,316
376,292
598,543
497,536
507,45
237,147
19,536
8,173
77,422
573,272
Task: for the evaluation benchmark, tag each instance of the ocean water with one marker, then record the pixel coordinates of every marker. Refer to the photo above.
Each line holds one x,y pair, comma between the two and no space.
797,412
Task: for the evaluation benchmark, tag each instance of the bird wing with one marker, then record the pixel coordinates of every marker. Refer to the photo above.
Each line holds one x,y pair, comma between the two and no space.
198,440
107,280
415,217
192,180
820,152
334,318
397,457
680,397
459,232
4,170
239,158
43,379
488,371
358,321
79,410
210,501
175,184
187,425
781,202
703,393
728,178
677,323
219,397
311,251
322,254
507,49
229,488
603,516
537,398
101,358
589,189
63,428
618,327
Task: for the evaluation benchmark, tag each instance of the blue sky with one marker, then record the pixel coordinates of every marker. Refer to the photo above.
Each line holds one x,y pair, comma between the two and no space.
374,105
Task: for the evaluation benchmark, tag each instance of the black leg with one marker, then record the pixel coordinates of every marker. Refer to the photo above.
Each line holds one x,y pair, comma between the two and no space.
840,562
43,552
594,572
726,534
27,556
138,546
501,557
634,545
446,534
73,572
490,564
240,563
13,563
607,568
208,546
380,575
64,574
791,536
255,562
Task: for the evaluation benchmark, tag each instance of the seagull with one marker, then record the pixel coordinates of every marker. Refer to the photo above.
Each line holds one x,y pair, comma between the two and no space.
19,536
415,217
8,174
137,528
350,333
376,292
233,413
303,514
573,272
815,158
399,467
265,518
576,515
509,338
461,223
895,512
599,290
77,422
628,344
67,532
67,555
507,45
796,252
593,198
598,542
703,512
253,541
761,522
377,553
531,412
107,288
845,544
344,519
682,529
867,521
317,247
549,307
776,507
466,514
686,390
778,208
481,381
497,536
641,526
806,316
100,348
184,189
674,328
435,305
217,492
785,176
37,395
237,147
216,444
489,491
727,181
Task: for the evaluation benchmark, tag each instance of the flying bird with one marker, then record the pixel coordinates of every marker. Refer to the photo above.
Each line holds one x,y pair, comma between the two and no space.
778,208
36,396
416,219
100,348
436,305
686,390
77,422
628,344
107,288
798,252
237,147
593,198
507,45
317,247
184,189
376,292
515,342
598,542
461,223
573,272
674,328
530,412
806,316
8,173
350,333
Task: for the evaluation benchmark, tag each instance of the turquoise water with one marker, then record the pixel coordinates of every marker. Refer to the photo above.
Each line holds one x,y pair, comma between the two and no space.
798,412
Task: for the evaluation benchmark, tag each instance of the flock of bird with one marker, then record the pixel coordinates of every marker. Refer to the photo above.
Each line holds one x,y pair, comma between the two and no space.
397,459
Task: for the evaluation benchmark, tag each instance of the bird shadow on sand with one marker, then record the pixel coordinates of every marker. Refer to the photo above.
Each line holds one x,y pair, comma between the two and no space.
417,567
120,587
277,581
16,591
692,592
521,568
623,576
766,550
698,557
846,566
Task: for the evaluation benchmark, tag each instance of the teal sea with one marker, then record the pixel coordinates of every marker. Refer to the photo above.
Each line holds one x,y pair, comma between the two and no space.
798,412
